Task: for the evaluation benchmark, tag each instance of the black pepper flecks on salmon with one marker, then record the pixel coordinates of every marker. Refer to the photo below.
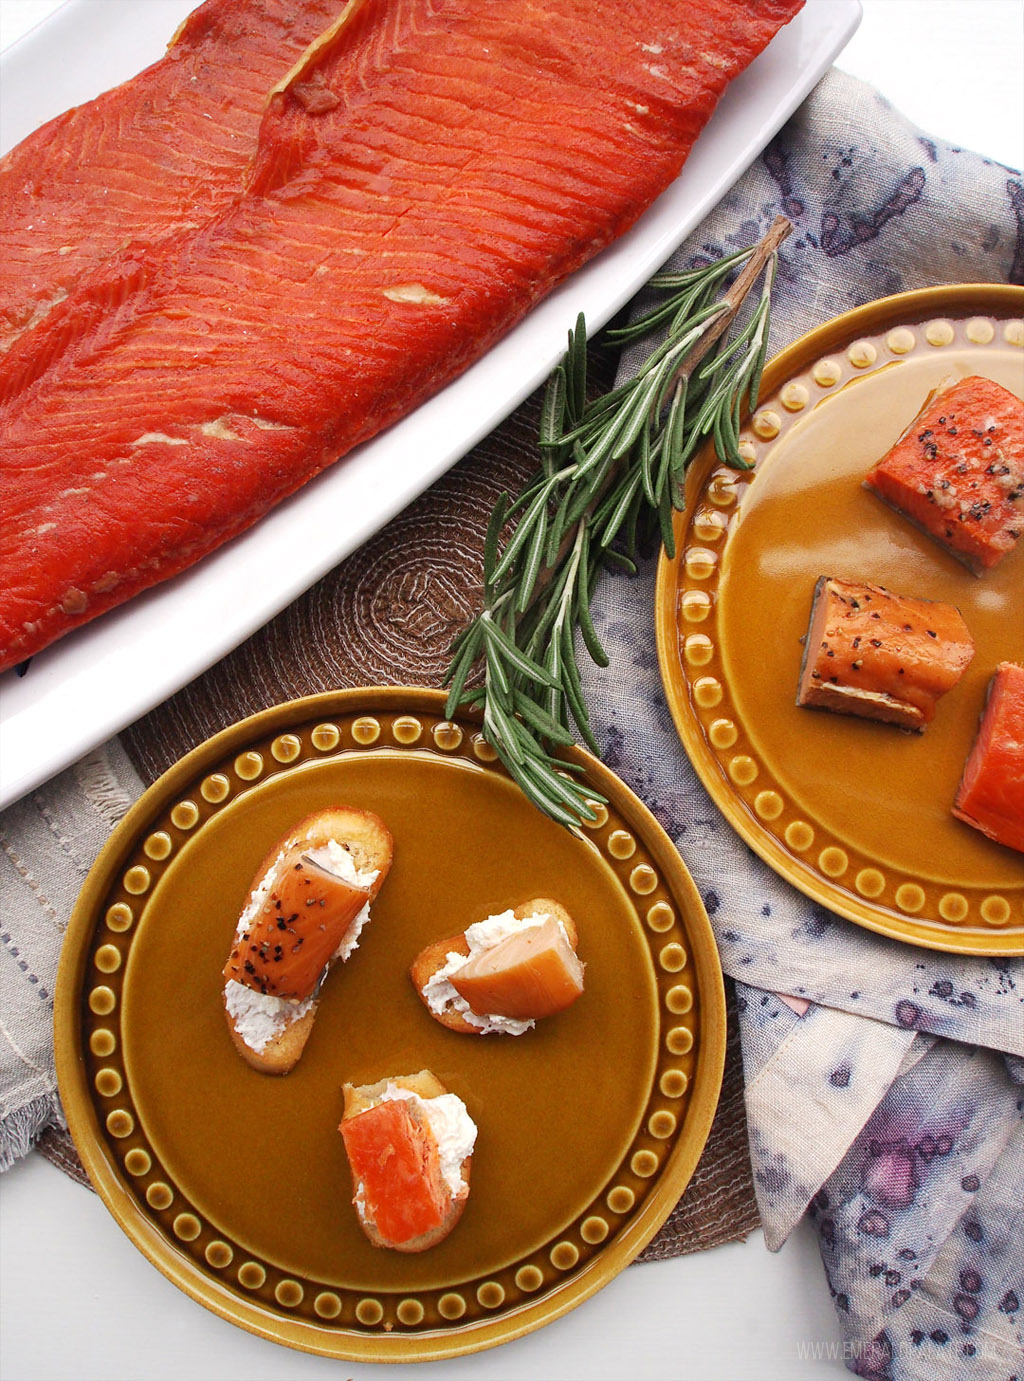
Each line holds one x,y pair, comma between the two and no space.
421,180
879,655
958,472
287,943
991,793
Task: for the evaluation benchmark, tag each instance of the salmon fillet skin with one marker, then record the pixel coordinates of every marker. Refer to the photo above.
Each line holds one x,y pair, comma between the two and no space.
424,176
161,153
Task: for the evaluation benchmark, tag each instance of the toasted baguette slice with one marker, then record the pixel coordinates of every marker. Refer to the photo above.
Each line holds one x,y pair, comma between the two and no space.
435,956
402,1199
367,840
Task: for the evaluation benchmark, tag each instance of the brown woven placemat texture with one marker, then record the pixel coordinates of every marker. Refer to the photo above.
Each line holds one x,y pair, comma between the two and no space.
386,616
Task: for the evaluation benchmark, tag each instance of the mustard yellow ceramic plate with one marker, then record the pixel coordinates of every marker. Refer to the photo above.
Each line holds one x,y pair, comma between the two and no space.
236,1184
855,813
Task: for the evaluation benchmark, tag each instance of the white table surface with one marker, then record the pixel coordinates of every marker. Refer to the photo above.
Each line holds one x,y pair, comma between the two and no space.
78,1301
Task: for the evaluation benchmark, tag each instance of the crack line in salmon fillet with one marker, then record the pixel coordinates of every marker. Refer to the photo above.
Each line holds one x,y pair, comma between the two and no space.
175,139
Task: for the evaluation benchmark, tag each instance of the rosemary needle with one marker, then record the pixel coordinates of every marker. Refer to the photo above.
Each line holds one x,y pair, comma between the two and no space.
608,469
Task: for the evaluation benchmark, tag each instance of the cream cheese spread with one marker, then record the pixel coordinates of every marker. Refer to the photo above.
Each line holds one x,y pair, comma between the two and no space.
451,1127
333,858
259,1017
441,996
359,1200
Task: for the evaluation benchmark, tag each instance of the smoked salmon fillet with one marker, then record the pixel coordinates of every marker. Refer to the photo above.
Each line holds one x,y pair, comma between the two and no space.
428,173
991,793
156,155
879,655
958,472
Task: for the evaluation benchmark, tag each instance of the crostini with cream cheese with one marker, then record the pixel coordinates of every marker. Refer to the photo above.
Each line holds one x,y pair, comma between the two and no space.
305,911
502,974
410,1146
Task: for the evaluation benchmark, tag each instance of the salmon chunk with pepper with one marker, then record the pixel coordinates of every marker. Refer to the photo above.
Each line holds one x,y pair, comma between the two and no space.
288,941
880,655
991,793
958,472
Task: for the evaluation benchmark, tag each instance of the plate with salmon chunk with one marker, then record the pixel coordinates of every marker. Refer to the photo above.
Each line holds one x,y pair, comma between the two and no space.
300,1137
264,291
862,732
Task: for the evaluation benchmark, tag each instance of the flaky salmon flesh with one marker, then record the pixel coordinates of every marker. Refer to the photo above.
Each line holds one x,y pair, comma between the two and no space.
396,1168
879,655
958,472
421,177
991,793
156,156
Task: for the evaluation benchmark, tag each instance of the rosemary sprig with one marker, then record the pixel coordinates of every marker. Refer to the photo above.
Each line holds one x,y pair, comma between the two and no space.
608,469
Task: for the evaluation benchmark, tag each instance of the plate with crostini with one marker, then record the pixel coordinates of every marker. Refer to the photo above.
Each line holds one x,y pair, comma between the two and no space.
245,1164
837,668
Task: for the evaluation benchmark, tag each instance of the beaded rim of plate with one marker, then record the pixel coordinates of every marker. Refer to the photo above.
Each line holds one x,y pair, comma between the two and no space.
817,854
613,1215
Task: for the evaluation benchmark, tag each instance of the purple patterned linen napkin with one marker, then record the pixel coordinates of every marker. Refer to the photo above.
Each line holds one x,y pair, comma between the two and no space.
885,1090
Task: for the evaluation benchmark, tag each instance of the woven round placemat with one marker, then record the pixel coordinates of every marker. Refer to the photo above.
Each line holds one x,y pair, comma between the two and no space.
386,616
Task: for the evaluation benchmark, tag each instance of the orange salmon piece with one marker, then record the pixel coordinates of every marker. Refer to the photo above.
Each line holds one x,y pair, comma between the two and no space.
395,1160
991,793
528,976
287,944
880,655
958,472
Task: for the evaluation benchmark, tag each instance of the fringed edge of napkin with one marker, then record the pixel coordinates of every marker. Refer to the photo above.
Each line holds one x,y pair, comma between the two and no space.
21,1129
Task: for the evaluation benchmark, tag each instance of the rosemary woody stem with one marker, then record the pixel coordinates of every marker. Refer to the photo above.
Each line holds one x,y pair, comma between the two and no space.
779,229
606,465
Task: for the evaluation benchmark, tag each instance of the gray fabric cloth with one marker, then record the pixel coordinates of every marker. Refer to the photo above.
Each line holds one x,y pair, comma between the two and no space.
883,1090
48,842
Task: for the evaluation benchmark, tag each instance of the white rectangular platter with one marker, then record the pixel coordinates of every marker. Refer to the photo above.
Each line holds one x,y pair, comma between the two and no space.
92,683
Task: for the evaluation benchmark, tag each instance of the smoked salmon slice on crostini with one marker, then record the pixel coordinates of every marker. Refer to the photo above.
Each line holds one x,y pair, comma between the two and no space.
504,973
410,1145
305,911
